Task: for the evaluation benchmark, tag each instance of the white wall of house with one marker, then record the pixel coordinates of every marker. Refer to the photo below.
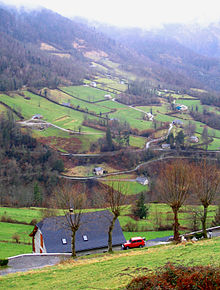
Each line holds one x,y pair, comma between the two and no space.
38,244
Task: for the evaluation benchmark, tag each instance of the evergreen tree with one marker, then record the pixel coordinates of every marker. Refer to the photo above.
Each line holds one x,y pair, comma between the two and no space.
205,137
171,140
109,139
180,139
140,209
37,195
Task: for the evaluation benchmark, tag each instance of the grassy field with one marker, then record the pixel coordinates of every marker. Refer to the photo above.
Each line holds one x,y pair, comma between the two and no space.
21,214
148,235
92,107
114,271
137,141
9,229
133,117
53,113
86,93
112,83
128,187
13,249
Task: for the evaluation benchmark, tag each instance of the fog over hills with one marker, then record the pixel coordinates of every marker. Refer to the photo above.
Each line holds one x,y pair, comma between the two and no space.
176,55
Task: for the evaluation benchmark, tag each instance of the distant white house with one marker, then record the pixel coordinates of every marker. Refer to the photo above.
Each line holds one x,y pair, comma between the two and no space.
181,108
93,84
193,139
107,96
66,104
150,117
37,117
177,122
165,146
98,170
142,180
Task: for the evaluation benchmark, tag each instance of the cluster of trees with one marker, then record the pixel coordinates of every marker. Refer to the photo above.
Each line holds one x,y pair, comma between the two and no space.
139,93
210,100
121,139
209,118
23,64
28,170
179,179
177,141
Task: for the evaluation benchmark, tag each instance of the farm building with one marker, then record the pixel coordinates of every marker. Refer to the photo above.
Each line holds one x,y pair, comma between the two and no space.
93,84
52,235
150,117
142,180
66,104
98,170
178,122
165,146
181,108
193,139
37,117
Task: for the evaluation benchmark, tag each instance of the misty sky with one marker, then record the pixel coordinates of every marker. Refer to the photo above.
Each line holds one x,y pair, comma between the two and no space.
144,13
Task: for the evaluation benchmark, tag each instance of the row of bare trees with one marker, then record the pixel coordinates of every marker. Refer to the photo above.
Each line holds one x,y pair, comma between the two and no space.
179,179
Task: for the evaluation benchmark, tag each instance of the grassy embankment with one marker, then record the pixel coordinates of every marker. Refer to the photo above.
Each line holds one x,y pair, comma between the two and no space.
114,271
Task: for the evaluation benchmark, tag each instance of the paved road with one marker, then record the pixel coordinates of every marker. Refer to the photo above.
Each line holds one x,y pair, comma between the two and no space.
28,262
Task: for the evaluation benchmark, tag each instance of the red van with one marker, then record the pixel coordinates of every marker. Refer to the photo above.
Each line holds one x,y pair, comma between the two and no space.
136,242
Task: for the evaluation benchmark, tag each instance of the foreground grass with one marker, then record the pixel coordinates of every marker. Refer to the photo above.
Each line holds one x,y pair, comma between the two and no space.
114,271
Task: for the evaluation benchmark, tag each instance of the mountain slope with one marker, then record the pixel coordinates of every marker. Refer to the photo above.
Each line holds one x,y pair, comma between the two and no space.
42,48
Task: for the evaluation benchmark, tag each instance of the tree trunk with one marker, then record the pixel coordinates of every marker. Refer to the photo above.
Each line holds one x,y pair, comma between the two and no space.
176,235
111,227
73,244
204,221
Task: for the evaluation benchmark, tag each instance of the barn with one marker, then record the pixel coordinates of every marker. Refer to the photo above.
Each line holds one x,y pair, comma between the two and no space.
52,235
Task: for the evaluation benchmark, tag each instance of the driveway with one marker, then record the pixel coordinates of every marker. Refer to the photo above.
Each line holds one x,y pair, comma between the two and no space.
28,262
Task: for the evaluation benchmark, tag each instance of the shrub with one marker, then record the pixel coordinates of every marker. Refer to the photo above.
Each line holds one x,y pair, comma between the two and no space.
3,262
199,236
131,227
17,238
179,277
33,222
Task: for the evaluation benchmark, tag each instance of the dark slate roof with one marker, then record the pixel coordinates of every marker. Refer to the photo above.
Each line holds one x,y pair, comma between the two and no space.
94,225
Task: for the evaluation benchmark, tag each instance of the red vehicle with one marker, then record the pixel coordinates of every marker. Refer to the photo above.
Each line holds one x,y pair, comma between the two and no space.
136,242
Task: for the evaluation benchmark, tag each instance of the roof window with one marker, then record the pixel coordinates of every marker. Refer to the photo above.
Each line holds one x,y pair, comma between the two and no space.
64,241
85,238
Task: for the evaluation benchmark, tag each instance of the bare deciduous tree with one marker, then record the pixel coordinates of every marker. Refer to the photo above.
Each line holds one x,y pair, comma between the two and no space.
174,186
115,200
206,184
72,200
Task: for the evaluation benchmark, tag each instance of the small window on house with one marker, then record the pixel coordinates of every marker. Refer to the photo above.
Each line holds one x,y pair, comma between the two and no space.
64,241
85,238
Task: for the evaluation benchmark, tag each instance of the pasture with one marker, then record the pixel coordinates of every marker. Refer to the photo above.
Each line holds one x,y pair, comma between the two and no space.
86,93
114,271
9,229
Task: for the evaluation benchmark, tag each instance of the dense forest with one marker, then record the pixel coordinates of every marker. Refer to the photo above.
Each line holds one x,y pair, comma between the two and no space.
28,170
